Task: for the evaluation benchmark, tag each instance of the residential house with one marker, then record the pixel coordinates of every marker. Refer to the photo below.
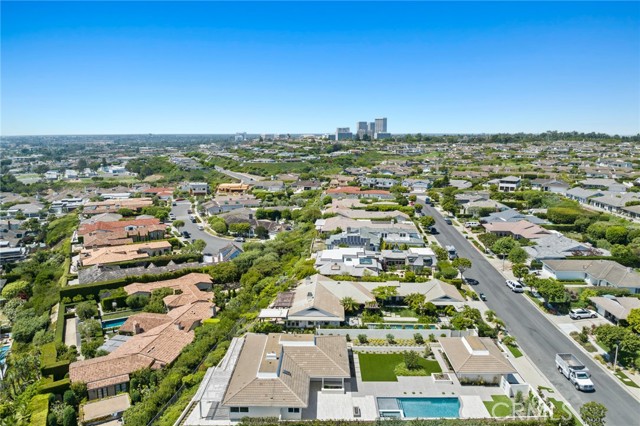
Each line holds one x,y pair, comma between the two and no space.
187,289
107,411
71,174
356,262
164,193
355,192
198,188
306,185
599,272
476,359
414,258
557,246
227,253
122,253
102,234
113,205
517,230
51,175
512,215
460,183
273,374
316,301
12,254
378,183
614,202
603,184
227,203
582,195
155,348
66,205
550,185
270,185
418,185
509,184
233,188
631,211
615,309
368,215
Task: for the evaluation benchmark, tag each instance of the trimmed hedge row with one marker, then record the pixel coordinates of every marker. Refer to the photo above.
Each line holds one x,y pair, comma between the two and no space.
39,407
161,260
567,227
48,354
57,388
107,302
57,369
59,338
95,288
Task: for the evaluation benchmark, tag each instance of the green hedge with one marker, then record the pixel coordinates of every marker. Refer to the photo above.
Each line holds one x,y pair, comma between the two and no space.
95,288
160,260
39,407
57,388
60,322
57,369
567,227
121,302
48,354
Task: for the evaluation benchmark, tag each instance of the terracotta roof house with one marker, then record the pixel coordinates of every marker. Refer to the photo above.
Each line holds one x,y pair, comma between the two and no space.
598,272
517,230
273,374
476,358
187,289
100,234
163,193
121,253
233,188
615,308
154,348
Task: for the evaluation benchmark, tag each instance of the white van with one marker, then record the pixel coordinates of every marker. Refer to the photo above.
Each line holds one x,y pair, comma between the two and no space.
471,224
515,286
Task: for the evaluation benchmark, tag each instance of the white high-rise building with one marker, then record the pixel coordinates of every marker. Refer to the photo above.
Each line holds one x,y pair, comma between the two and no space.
381,125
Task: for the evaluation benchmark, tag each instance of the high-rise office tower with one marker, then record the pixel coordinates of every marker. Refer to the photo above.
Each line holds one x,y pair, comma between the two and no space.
372,129
362,127
381,125
343,133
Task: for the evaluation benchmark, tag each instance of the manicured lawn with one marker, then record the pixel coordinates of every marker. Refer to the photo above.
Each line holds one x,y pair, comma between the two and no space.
501,406
119,314
625,379
515,351
559,405
380,367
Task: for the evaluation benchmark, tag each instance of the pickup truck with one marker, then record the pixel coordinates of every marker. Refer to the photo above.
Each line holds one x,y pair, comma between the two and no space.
575,371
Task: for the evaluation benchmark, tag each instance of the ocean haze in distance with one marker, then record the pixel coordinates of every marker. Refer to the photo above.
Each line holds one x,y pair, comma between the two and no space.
299,68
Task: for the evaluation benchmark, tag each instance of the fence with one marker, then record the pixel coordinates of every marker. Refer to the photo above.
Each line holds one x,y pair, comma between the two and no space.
397,333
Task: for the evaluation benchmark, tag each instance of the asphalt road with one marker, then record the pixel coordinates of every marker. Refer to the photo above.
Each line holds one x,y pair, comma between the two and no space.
242,177
540,339
214,244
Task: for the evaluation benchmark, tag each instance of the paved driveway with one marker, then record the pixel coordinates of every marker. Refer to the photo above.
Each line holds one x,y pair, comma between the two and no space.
540,339
214,244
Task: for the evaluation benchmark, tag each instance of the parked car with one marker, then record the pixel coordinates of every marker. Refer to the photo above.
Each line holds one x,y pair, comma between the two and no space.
482,296
471,281
471,224
239,239
201,227
447,221
515,286
186,234
580,313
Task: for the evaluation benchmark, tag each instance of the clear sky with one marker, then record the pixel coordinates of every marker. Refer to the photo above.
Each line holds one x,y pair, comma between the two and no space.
171,67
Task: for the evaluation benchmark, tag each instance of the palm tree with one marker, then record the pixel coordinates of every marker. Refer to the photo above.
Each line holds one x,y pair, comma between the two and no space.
349,304
415,300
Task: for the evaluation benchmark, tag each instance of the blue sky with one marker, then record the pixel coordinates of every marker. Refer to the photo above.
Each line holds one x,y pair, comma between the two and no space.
169,67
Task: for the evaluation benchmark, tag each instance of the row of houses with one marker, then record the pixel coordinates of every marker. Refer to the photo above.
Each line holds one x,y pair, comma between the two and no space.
359,262
317,300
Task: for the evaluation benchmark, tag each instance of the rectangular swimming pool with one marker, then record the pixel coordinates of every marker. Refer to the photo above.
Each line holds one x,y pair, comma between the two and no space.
419,407
113,323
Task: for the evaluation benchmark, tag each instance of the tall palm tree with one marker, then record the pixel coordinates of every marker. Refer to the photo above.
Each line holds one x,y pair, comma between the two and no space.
349,304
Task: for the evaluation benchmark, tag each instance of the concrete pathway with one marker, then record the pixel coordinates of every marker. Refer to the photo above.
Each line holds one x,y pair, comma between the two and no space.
71,334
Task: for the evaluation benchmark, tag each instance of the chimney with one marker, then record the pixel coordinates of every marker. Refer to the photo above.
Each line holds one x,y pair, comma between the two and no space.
136,328
178,326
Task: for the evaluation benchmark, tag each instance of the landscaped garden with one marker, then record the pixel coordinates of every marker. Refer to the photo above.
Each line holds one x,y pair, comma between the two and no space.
387,367
499,406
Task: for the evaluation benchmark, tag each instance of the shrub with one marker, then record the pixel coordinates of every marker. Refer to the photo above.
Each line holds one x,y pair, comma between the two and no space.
362,339
86,310
390,338
411,359
418,338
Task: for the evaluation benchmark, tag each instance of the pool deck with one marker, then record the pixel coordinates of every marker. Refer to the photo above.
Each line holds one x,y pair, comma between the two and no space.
472,407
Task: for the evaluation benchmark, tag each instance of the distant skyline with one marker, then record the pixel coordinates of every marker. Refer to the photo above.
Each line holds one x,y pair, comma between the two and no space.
220,68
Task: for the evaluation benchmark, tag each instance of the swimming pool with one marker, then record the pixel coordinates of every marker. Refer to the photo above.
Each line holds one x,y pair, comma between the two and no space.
419,407
113,323
4,350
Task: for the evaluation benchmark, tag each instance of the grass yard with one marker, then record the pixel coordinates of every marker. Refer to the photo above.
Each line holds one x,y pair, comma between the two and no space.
559,405
515,351
625,379
381,367
500,406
